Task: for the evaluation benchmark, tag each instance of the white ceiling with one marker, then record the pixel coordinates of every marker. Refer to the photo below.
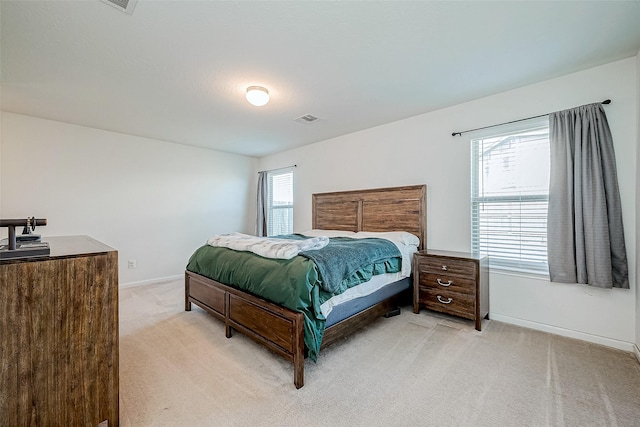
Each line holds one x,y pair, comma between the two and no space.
177,70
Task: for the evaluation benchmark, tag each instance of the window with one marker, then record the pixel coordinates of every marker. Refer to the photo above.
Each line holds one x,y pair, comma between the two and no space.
509,196
280,202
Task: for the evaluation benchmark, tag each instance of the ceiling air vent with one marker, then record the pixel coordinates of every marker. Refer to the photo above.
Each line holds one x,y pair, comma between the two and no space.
307,119
125,6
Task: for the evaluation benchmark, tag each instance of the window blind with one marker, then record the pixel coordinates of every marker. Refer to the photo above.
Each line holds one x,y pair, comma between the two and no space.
510,193
280,202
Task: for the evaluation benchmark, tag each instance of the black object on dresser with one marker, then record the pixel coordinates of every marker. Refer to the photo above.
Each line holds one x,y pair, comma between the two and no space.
455,283
25,245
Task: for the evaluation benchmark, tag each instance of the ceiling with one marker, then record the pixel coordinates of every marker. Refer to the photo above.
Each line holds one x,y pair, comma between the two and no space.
177,70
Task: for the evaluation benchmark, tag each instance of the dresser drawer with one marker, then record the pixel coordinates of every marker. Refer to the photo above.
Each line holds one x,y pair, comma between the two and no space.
455,303
453,267
447,282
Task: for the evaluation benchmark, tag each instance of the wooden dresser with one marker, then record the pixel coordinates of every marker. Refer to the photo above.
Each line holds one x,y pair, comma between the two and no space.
455,283
59,336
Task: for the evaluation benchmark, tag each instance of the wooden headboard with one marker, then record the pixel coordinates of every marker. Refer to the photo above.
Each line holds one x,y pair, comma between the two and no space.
380,209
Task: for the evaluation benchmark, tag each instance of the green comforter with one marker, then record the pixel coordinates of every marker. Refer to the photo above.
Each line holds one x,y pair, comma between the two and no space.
293,283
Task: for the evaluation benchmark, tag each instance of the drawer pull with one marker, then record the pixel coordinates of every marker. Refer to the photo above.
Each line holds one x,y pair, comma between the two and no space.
449,283
445,268
448,301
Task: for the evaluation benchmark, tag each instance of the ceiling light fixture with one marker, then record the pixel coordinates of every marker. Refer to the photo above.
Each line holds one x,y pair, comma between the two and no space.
257,95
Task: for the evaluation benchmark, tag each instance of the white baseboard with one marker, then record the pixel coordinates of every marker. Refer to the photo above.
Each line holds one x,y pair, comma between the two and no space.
636,350
609,342
150,281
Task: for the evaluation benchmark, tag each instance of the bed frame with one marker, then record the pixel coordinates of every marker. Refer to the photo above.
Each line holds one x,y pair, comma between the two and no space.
281,329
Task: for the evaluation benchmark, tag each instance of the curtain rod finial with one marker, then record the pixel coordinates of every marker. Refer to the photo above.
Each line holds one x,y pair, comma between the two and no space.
606,101
456,133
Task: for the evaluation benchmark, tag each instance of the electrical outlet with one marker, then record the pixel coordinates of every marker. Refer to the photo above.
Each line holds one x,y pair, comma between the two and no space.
132,263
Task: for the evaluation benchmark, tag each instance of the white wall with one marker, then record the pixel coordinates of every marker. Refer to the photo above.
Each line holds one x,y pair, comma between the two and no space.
0,122
421,150
637,349
153,201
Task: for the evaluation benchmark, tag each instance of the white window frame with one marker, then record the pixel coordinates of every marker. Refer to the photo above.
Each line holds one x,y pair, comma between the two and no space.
273,208
519,257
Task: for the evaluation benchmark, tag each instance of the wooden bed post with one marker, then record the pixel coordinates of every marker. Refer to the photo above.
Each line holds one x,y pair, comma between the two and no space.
298,351
187,303
228,330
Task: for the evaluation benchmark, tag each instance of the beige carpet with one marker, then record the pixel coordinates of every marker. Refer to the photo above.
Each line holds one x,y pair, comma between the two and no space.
178,369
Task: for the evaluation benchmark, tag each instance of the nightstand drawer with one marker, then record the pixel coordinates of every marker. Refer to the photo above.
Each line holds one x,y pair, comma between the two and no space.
447,265
455,303
446,282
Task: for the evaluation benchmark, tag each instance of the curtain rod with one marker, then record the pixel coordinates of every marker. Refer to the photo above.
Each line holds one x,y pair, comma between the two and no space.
606,102
277,169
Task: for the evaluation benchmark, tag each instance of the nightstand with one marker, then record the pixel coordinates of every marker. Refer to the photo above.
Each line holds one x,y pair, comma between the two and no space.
455,283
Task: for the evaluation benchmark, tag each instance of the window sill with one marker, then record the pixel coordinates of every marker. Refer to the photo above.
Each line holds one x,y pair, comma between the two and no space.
506,271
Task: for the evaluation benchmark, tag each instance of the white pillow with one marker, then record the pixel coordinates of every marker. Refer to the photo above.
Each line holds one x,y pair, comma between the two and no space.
328,233
395,236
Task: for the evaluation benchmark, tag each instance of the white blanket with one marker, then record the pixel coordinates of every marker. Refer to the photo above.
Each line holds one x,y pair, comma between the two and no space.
267,247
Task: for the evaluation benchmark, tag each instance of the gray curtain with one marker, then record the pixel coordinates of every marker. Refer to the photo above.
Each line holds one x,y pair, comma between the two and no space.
263,188
584,226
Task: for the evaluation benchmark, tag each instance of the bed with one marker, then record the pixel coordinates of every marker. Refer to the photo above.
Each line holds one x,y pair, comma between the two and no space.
283,330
